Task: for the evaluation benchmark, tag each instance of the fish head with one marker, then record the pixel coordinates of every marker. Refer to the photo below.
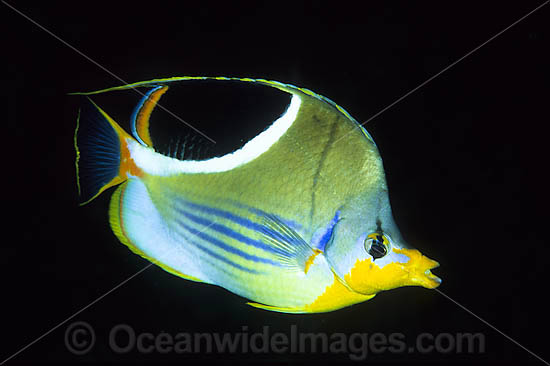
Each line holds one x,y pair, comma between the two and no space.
388,266
369,254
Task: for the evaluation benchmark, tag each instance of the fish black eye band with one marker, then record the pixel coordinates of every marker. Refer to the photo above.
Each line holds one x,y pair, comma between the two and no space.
377,245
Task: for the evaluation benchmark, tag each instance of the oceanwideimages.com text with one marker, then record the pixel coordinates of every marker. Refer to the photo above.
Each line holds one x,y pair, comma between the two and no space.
80,338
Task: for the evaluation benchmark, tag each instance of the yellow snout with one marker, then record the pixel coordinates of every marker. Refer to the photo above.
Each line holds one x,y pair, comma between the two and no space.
367,277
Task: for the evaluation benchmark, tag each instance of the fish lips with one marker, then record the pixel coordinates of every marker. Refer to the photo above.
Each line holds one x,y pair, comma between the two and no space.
423,276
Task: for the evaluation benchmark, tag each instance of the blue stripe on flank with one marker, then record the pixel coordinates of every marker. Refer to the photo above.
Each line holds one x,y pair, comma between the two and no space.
226,215
220,244
232,234
201,235
221,269
237,219
242,222
136,111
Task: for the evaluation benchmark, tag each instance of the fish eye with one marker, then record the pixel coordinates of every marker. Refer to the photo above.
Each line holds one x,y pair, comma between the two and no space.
377,245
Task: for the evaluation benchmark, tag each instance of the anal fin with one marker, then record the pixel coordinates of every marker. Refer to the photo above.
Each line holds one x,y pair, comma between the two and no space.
117,225
277,308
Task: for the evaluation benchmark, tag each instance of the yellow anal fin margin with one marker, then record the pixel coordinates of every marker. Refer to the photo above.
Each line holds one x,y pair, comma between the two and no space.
142,114
115,219
277,308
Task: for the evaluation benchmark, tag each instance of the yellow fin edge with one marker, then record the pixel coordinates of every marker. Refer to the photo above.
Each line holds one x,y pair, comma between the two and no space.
282,86
277,308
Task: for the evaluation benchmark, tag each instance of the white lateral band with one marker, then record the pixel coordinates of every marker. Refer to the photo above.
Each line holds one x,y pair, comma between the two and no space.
158,164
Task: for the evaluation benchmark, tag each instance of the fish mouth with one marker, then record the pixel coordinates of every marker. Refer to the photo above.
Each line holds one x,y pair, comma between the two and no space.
424,276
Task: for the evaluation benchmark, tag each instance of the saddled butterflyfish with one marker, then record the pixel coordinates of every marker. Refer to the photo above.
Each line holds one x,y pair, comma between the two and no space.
297,220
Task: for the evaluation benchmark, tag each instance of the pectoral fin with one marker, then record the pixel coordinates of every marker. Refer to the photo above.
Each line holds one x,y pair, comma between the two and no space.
292,251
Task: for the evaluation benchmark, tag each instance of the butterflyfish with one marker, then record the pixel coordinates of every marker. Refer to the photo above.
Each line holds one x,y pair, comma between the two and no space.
297,220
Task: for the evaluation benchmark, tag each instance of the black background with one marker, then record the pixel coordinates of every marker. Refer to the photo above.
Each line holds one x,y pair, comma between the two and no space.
464,156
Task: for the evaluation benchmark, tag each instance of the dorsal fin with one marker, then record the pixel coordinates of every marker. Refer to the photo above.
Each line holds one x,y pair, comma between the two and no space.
274,84
142,114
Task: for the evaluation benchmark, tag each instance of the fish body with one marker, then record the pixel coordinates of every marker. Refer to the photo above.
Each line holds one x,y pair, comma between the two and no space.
298,220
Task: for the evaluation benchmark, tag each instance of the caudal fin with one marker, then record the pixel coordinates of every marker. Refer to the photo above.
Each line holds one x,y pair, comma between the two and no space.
102,156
